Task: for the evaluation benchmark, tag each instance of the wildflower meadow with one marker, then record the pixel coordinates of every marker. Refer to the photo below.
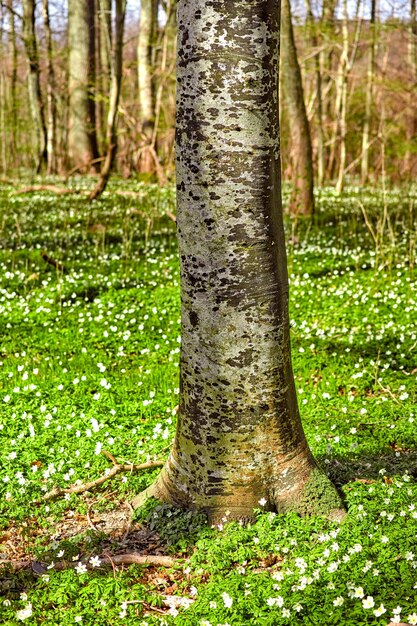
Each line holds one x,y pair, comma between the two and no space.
89,361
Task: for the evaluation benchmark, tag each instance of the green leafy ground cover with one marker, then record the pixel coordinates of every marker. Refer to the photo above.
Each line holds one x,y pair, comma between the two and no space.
89,363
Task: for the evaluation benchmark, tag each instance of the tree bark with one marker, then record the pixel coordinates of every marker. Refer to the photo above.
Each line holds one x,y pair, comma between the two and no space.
34,85
342,85
301,154
411,118
50,91
82,139
146,40
3,108
13,83
239,436
314,34
370,79
115,84
103,65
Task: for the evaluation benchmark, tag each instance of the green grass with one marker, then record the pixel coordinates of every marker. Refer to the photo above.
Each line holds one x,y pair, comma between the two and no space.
89,362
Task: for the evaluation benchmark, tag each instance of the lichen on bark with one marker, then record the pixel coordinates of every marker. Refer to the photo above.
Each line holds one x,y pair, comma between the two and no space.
239,436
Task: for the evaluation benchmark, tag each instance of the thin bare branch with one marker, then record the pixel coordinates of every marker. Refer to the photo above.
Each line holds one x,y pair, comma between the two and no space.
117,469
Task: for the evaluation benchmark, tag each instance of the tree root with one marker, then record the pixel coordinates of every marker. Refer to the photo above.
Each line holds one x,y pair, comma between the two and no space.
129,558
116,469
48,259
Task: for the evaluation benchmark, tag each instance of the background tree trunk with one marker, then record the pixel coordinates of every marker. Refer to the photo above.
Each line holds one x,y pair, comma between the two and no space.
239,435
82,139
148,24
411,122
51,104
301,154
314,35
342,86
13,82
34,85
3,103
103,74
369,95
115,84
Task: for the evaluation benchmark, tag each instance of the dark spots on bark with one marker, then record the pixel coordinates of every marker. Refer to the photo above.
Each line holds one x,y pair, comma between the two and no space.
196,460
193,318
239,233
184,36
244,359
215,491
209,222
214,479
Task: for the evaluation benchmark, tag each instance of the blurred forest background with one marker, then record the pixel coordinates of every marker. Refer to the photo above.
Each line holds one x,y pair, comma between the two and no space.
87,87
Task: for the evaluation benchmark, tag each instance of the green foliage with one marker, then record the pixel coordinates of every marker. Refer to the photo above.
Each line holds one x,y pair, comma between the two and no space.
319,496
89,362
179,529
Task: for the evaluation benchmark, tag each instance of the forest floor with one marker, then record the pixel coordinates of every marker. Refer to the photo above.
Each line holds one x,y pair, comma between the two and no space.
89,350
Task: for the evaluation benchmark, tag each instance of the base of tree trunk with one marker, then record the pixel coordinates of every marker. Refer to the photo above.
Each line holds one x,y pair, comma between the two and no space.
316,495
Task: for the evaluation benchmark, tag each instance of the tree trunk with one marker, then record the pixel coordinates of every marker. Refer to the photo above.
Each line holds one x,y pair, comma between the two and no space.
347,64
82,139
326,55
103,60
319,97
115,83
343,87
411,118
51,104
146,40
3,108
34,86
13,83
302,196
369,96
239,436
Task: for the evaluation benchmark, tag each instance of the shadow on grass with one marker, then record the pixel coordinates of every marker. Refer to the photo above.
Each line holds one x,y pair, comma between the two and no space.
345,469
161,530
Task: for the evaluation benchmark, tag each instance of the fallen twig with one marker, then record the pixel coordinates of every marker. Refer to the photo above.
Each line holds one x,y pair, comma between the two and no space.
110,457
144,559
116,469
90,521
51,188
130,558
53,262
129,525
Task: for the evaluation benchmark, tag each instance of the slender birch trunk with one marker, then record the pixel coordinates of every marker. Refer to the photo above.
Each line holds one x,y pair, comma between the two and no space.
103,66
13,83
115,84
3,108
301,154
369,95
411,118
239,435
34,85
326,56
146,40
314,36
344,70
342,87
82,138
50,91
